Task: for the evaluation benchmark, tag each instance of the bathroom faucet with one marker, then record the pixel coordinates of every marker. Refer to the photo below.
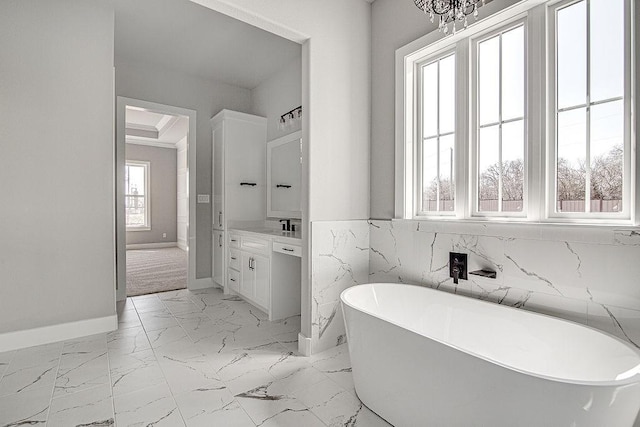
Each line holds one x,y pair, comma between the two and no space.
456,274
287,226
457,266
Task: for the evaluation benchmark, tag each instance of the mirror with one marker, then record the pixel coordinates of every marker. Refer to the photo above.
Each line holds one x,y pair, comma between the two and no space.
284,176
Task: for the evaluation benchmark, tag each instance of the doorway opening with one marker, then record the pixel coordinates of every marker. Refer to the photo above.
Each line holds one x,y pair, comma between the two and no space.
155,157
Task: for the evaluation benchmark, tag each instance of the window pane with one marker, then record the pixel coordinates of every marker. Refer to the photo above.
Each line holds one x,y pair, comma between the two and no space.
430,174
572,55
512,166
607,148
570,167
513,74
135,200
430,100
447,173
447,94
489,80
607,49
135,210
136,180
489,169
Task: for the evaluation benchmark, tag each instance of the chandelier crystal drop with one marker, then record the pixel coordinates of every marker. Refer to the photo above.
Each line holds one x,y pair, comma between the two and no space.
450,11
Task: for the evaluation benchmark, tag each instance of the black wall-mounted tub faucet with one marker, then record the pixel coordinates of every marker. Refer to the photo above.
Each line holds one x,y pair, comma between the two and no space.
457,266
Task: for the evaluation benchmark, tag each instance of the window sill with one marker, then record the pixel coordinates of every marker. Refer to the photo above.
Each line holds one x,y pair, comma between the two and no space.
612,234
138,229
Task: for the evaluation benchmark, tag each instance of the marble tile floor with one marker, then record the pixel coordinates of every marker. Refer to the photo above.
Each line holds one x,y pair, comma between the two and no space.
182,358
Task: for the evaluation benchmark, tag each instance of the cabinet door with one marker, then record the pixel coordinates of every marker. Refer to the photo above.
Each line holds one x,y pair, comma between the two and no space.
234,280
218,177
245,151
245,162
262,282
218,257
247,275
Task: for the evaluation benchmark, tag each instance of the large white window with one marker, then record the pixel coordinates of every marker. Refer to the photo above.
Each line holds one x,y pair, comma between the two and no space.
136,176
499,139
525,116
590,89
437,132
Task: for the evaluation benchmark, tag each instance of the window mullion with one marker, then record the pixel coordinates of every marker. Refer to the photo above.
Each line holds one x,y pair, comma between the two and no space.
461,141
587,196
439,186
501,169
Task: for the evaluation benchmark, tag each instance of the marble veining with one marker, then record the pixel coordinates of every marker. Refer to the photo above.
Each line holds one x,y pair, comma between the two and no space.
533,274
587,278
340,259
180,373
627,237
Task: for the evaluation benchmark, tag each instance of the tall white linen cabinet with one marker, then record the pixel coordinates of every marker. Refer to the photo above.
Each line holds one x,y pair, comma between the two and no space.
239,179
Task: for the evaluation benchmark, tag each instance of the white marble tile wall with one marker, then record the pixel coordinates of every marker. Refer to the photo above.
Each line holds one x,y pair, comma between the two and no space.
340,259
582,274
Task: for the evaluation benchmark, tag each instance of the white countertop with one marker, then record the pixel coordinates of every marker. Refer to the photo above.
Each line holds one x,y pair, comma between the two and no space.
291,237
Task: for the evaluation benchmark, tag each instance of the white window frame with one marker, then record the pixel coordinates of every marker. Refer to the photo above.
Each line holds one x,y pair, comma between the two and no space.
436,57
499,14
474,118
597,217
147,196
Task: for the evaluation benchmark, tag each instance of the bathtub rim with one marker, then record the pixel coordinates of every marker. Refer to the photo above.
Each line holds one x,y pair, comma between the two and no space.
634,379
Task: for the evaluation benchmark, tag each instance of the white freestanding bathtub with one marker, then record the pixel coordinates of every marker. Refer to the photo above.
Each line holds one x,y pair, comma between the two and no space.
423,357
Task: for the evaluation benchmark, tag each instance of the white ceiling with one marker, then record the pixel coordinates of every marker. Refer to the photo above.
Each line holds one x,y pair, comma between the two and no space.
186,37
152,128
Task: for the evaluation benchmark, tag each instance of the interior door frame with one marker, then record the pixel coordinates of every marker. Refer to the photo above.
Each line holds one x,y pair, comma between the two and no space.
120,148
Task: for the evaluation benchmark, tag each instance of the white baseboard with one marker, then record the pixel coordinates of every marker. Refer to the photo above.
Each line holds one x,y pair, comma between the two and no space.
182,244
152,245
203,283
54,333
304,345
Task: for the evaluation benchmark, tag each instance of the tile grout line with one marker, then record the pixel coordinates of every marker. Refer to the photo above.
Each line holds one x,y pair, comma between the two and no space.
4,371
235,399
113,404
189,298
55,380
155,356
224,382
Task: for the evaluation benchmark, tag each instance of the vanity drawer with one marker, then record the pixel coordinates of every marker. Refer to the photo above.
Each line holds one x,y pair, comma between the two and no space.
234,241
255,245
287,249
234,279
234,259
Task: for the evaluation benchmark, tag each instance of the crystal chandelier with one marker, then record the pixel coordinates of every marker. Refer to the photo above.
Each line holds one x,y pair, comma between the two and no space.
450,11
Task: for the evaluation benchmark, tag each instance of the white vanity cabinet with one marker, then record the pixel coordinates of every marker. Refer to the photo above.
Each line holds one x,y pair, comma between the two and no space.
239,179
254,279
265,272
249,265
218,257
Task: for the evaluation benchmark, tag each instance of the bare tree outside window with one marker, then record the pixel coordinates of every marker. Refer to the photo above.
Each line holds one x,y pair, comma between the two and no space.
136,206
501,122
590,107
438,133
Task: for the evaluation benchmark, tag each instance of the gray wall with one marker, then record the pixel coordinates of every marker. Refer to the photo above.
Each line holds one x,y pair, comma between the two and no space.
164,197
56,167
150,83
277,95
394,24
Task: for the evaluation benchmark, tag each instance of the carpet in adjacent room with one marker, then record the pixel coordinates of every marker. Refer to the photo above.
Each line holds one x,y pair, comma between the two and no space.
156,270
